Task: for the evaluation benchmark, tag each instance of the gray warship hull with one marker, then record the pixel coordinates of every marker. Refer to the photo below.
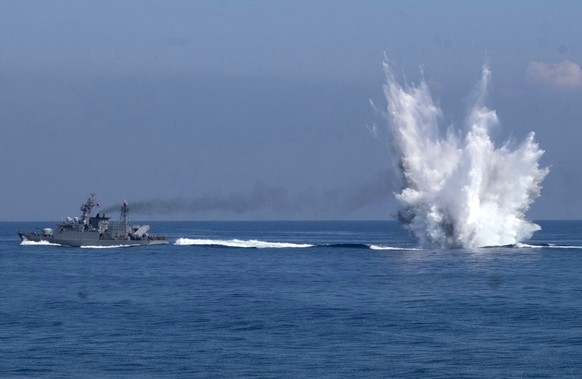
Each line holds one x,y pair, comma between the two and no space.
88,239
95,231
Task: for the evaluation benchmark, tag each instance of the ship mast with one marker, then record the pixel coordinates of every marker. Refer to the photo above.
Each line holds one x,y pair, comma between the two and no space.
124,215
87,207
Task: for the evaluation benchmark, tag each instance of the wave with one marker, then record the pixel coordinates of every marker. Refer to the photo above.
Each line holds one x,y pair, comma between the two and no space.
257,244
367,246
521,245
545,246
378,247
239,243
105,247
46,243
37,243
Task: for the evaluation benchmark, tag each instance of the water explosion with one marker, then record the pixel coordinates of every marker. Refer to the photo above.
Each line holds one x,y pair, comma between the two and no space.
459,189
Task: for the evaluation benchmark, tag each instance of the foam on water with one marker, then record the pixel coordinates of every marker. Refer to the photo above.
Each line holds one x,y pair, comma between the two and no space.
459,189
279,245
239,243
37,243
105,247
547,246
379,247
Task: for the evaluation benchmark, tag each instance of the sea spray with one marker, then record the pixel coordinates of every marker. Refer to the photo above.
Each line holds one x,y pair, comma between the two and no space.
458,189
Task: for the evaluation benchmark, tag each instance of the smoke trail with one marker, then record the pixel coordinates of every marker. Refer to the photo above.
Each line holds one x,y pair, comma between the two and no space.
459,190
238,203
330,203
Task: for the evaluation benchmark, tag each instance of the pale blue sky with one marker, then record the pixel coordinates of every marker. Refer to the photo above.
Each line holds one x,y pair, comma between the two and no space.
264,103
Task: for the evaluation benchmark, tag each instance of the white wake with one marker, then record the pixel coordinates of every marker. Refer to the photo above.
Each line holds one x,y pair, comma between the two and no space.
26,242
240,243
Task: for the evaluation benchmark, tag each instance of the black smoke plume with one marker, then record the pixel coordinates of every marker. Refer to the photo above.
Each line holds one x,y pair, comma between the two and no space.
273,200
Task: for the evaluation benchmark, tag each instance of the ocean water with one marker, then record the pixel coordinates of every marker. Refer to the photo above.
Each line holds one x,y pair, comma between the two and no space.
292,299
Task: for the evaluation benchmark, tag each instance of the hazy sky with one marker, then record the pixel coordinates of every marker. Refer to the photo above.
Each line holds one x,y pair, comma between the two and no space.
261,109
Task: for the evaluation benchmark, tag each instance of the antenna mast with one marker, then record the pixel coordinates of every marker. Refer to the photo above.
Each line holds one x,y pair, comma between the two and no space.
87,207
124,215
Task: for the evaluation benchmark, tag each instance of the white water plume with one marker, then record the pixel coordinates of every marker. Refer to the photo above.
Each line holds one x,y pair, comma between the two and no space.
459,189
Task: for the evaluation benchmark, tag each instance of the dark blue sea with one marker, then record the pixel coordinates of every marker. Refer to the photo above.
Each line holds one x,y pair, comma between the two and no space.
292,300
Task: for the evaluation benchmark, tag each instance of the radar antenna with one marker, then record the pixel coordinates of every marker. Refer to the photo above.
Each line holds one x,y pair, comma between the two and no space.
87,207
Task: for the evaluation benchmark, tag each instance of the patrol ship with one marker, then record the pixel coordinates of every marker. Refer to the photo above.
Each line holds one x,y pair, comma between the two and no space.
96,230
